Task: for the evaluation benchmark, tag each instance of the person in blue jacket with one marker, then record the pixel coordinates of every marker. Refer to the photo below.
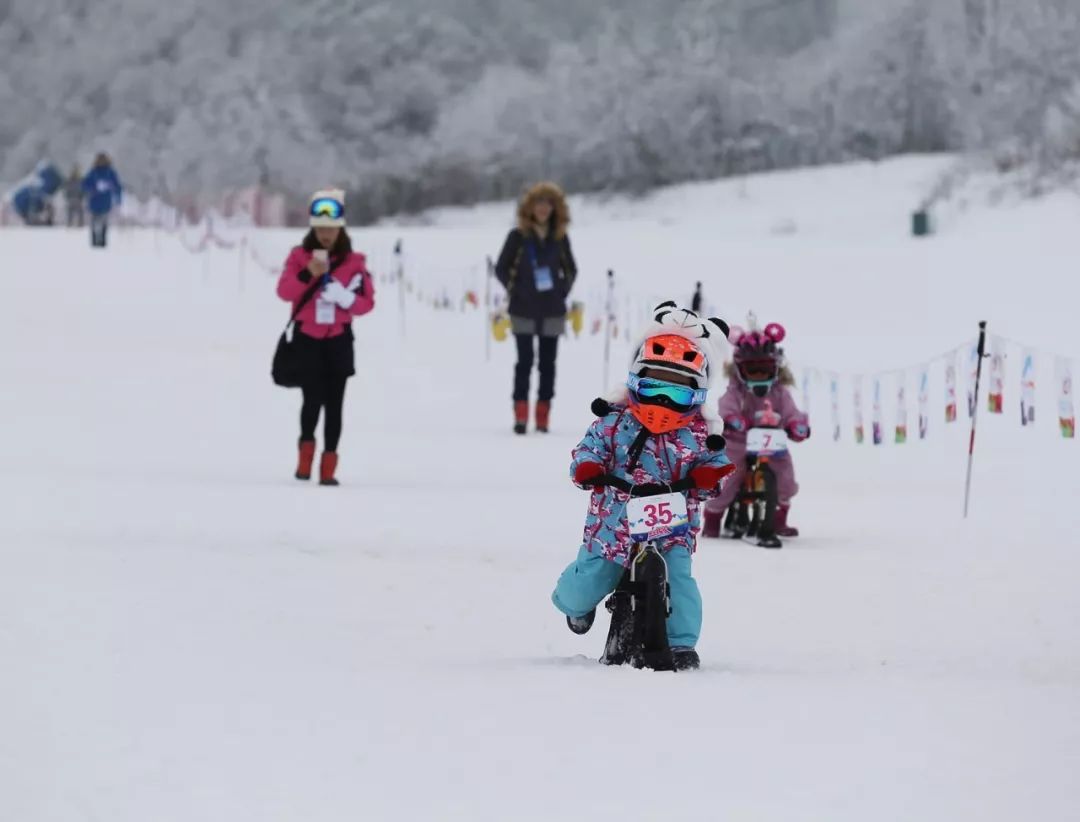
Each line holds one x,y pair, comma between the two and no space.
32,200
29,204
103,193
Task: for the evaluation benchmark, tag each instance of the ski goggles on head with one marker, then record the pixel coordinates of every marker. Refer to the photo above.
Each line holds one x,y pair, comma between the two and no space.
650,388
328,207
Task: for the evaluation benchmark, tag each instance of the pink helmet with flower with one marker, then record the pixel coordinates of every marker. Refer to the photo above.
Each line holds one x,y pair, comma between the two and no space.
758,355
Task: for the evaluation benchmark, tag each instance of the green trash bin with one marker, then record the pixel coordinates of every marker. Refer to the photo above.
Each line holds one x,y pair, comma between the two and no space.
920,223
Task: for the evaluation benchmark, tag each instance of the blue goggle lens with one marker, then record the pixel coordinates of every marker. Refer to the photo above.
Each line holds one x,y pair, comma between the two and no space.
326,207
649,388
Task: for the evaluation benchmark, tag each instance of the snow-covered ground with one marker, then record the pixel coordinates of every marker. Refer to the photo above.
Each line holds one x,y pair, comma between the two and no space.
187,633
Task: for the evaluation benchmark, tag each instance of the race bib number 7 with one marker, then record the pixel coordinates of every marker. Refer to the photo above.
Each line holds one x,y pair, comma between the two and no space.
657,517
766,441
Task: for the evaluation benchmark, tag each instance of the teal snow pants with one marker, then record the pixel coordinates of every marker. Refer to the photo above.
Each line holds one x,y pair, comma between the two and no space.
590,578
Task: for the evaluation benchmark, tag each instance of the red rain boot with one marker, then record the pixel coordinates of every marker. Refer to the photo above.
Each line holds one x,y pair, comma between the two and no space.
327,467
521,416
543,415
307,457
782,528
711,529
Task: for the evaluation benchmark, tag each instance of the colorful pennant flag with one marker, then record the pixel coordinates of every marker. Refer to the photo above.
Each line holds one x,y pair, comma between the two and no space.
901,408
950,387
1066,413
834,402
860,431
1027,389
875,413
996,398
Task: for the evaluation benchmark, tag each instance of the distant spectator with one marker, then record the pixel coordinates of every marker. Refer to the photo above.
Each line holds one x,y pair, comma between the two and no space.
73,195
695,304
32,197
538,270
104,193
30,204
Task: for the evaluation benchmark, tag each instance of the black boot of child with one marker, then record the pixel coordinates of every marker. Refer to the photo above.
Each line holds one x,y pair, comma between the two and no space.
581,625
686,659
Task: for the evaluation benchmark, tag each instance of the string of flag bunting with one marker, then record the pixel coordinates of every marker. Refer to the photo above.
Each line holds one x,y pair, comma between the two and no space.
960,360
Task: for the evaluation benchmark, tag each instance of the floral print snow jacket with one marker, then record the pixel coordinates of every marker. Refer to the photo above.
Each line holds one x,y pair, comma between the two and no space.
665,458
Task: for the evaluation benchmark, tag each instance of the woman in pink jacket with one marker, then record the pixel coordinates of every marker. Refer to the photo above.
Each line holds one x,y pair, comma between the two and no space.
342,289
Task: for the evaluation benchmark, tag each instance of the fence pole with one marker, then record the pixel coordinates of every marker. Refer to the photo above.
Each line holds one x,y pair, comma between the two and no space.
399,268
610,311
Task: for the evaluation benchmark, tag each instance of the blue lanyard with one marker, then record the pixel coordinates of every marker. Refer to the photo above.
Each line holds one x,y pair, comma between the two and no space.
533,254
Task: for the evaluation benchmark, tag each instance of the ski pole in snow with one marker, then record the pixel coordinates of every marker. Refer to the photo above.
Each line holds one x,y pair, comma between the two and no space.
487,308
609,309
974,415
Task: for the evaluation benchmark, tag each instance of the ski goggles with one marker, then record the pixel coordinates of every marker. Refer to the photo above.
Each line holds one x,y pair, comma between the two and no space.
649,388
328,207
758,370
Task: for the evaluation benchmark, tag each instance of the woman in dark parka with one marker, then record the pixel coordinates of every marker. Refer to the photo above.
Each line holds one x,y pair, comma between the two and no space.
537,269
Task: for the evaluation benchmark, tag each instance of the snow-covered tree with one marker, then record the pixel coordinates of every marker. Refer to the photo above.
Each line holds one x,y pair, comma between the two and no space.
411,103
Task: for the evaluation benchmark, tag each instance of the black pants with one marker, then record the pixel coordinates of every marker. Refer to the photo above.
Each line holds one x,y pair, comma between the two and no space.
99,228
328,364
327,392
549,349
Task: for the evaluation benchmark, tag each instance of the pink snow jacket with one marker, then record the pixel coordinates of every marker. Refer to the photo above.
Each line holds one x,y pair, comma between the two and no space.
351,272
740,401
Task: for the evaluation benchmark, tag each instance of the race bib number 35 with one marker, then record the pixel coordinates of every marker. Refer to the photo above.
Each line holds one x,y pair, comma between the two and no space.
657,517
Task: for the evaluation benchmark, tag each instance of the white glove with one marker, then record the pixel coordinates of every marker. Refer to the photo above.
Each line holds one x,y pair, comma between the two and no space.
335,292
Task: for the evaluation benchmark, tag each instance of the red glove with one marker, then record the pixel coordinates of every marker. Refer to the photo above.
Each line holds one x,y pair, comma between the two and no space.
587,471
707,477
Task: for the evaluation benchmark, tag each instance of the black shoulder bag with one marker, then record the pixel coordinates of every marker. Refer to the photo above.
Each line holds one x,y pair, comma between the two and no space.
288,368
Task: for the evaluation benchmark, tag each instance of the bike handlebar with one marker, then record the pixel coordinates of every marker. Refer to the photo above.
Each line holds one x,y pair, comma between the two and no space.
647,489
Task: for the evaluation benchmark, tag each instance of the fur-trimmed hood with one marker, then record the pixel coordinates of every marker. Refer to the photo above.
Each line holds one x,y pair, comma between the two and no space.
560,215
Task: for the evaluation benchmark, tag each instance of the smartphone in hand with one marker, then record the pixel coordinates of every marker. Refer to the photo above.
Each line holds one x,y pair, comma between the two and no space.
323,256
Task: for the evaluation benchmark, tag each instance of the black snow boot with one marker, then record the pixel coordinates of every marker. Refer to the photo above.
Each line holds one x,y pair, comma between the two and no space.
581,625
686,659
767,539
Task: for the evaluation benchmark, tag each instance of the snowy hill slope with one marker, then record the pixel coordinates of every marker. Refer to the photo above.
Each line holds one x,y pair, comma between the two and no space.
191,634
